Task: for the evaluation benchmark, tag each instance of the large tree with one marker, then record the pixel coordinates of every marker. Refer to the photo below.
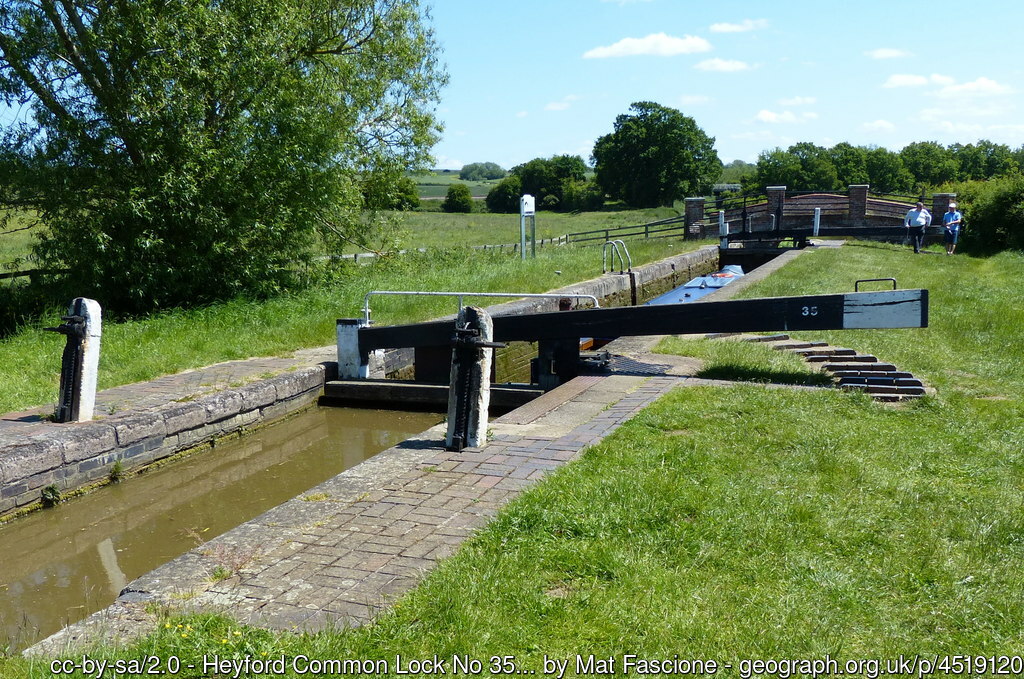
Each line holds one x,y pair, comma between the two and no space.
186,150
929,162
655,156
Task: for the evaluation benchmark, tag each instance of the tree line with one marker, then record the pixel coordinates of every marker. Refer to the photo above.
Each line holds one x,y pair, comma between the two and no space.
809,167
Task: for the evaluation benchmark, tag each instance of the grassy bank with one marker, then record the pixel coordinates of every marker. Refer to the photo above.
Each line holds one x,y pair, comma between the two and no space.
440,229
140,350
748,523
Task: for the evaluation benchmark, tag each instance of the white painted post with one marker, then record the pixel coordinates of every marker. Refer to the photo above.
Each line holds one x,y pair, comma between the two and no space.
527,208
350,361
90,359
817,220
723,230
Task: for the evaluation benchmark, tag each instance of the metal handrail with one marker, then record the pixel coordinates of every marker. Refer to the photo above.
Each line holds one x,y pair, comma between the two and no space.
608,263
460,295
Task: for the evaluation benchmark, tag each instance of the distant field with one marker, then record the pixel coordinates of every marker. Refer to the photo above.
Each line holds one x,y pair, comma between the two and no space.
435,185
440,229
16,245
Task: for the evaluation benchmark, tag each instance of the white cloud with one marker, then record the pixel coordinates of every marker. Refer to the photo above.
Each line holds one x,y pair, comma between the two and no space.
742,27
910,80
723,65
655,44
982,87
905,80
766,116
562,105
879,126
522,114
887,53
797,101
694,99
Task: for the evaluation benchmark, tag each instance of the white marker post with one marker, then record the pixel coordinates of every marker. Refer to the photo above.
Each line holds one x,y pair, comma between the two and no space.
527,208
817,220
723,230
351,364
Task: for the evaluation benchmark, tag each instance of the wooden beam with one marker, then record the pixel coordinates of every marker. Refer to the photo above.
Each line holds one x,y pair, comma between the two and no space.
887,309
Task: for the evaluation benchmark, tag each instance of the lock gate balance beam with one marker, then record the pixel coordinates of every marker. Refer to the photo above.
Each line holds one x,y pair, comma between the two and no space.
884,309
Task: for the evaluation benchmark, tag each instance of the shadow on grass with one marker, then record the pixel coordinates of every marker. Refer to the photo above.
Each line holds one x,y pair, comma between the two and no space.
734,373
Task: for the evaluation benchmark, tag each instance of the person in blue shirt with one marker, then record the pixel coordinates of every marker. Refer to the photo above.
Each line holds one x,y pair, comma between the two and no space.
951,221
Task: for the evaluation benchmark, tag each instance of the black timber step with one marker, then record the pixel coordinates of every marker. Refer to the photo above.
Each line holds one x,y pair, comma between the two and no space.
827,354
881,381
767,338
407,394
795,345
840,374
875,367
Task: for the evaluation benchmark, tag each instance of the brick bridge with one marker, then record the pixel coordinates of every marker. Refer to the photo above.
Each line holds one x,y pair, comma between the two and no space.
780,214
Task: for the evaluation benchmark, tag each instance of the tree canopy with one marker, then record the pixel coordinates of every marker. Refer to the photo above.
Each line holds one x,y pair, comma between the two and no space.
185,151
480,171
655,155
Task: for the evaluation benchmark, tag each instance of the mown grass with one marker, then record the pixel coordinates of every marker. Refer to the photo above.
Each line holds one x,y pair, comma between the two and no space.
744,362
748,522
139,350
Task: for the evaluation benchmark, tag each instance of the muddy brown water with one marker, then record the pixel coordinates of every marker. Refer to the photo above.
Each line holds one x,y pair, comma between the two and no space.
61,564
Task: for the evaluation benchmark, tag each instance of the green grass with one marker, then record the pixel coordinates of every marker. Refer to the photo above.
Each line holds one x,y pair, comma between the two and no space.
746,522
168,343
439,229
744,362
16,243
435,185
972,346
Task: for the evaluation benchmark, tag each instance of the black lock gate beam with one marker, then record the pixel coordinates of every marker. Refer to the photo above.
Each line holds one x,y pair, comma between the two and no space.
885,309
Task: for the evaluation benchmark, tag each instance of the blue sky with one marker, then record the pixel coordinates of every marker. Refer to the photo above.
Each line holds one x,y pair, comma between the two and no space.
537,78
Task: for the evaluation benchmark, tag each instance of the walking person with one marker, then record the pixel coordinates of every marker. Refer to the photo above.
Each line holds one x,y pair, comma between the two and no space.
951,221
917,222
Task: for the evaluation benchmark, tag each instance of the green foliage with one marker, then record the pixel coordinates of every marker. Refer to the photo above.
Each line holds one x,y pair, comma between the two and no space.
388,191
181,153
993,212
581,195
778,168
886,172
505,196
544,178
929,162
850,163
737,171
458,199
50,496
983,160
655,156
480,171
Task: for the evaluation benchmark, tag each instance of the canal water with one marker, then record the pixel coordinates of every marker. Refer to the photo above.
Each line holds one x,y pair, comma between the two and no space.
61,564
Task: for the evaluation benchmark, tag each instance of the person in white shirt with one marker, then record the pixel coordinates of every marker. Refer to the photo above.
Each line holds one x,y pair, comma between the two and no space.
917,221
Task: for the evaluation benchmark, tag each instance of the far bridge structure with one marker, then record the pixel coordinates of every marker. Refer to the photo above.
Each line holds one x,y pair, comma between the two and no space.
752,228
